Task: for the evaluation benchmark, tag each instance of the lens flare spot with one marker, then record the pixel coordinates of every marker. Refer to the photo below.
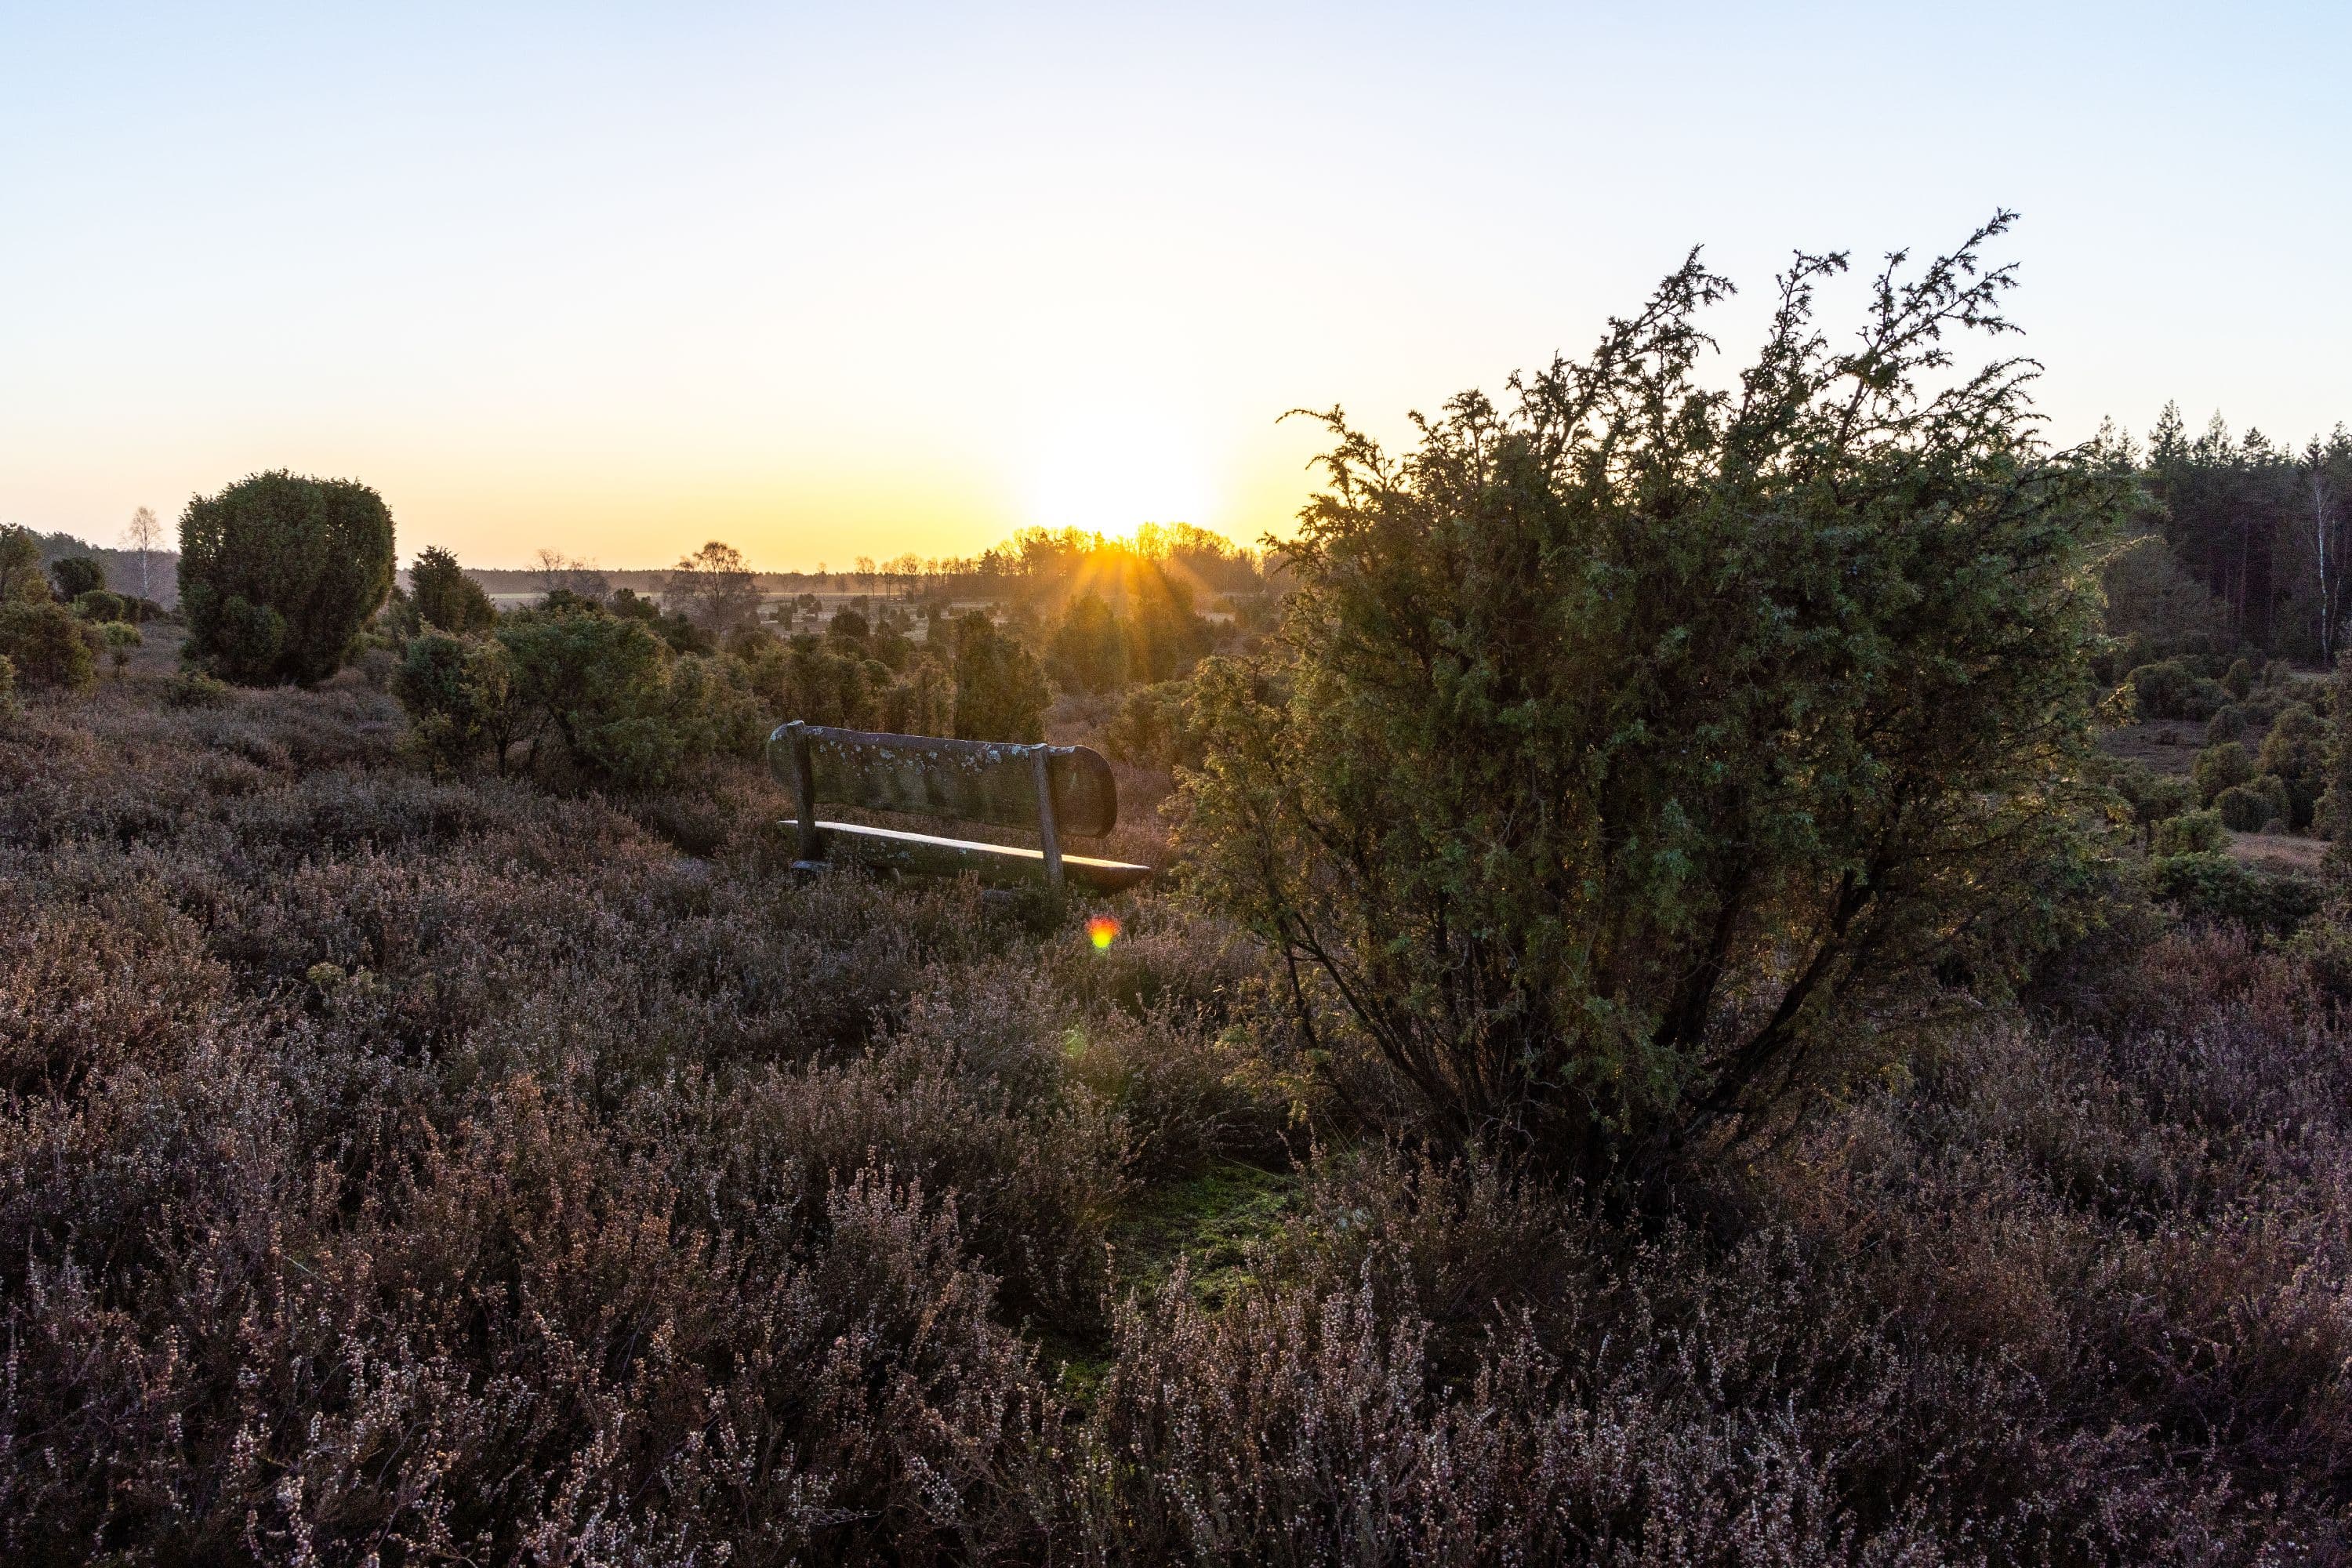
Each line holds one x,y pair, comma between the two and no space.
1102,931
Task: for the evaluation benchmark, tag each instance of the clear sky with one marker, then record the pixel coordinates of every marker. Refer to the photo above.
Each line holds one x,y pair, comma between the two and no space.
860,280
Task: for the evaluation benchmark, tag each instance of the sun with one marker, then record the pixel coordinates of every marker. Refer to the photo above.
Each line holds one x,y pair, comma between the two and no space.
1111,476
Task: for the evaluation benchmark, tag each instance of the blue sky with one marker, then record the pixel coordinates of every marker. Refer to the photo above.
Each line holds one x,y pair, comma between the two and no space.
615,279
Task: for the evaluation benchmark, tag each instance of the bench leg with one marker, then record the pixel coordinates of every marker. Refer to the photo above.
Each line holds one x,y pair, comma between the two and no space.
1049,837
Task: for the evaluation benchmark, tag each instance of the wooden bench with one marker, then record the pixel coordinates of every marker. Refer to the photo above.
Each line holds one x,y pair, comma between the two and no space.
1054,789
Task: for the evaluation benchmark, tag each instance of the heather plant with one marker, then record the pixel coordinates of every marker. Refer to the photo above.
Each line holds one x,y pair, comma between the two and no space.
435,1165
280,572
1624,748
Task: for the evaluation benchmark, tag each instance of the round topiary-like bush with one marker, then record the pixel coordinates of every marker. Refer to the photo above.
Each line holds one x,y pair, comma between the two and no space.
98,605
279,572
2194,833
2228,724
2220,767
76,575
2281,796
2170,689
2242,809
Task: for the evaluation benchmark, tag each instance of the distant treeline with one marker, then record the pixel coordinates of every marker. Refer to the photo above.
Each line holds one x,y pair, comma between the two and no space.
2259,538
1037,569
155,576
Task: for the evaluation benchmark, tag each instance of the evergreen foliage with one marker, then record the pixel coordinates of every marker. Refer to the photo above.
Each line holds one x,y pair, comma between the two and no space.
50,647
1632,755
446,598
118,639
1000,689
2191,833
2170,689
20,566
460,695
2220,767
279,573
1155,727
76,575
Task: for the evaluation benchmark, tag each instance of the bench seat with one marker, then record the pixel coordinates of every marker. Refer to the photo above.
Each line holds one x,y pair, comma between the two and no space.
994,863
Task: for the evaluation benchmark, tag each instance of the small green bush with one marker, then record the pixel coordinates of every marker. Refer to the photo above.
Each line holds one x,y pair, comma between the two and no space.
2151,797
2243,809
461,700
76,575
98,605
2227,724
2195,833
1000,689
446,598
2239,679
2281,798
2169,690
20,566
119,638
194,688
2296,750
2220,767
1154,728
2211,886
48,644
599,680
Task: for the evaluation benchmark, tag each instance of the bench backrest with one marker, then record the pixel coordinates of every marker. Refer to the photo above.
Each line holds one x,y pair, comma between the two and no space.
974,780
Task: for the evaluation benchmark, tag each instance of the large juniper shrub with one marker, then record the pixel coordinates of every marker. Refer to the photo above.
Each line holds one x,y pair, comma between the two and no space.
280,572
1626,748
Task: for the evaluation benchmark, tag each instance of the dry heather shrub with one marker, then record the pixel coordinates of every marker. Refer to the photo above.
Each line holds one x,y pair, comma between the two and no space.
383,1175
430,1170
1300,1430
1499,1383
88,987
524,1344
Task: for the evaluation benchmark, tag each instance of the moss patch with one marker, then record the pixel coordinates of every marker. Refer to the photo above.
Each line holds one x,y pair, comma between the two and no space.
1211,1220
